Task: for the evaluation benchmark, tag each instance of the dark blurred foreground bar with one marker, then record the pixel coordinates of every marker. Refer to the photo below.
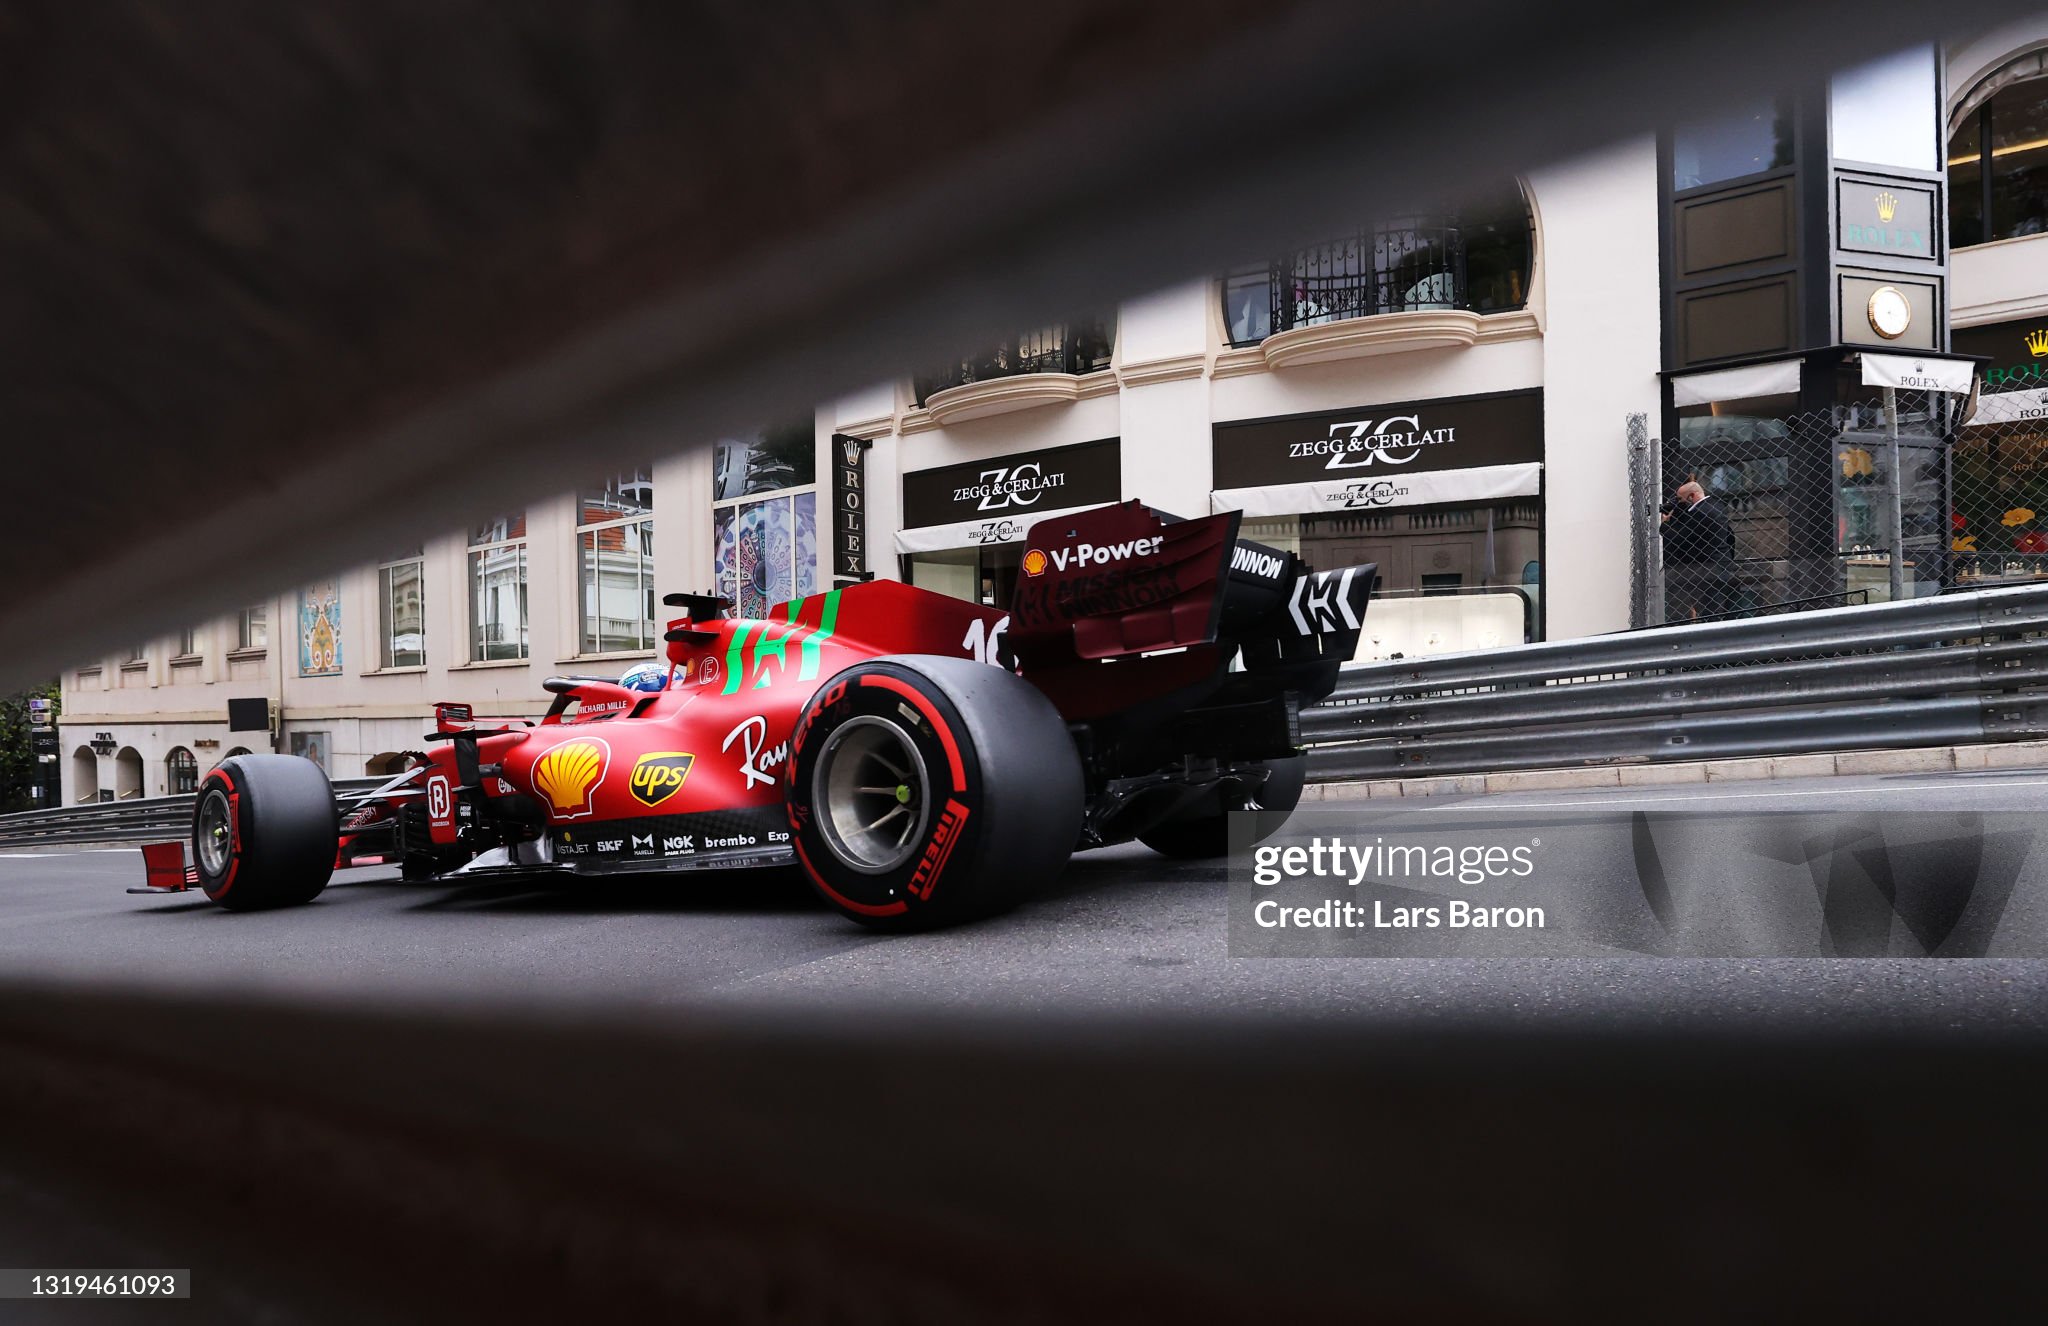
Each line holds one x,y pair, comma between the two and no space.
350,1165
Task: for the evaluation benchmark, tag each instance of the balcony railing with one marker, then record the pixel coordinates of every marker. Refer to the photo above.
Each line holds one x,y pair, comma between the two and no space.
1075,347
1400,265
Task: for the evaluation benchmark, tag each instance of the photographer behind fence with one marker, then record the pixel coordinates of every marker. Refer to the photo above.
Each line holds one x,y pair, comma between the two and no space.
1699,556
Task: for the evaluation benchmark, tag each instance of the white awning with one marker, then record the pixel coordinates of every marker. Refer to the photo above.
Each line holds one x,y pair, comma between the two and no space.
1390,488
2004,407
992,528
1736,384
1919,372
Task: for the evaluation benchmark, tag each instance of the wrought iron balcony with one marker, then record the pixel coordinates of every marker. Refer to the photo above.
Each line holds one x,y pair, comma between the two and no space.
1396,265
1075,347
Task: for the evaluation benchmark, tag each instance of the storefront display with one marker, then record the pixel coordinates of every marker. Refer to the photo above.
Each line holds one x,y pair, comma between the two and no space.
764,518
1445,496
964,524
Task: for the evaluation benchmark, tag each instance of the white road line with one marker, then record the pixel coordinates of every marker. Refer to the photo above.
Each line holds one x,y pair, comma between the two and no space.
1729,795
81,851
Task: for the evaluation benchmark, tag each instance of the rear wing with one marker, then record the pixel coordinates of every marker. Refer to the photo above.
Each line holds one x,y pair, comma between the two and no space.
1171,602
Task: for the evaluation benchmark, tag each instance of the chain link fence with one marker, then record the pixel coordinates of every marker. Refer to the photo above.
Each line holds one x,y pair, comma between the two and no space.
1743,516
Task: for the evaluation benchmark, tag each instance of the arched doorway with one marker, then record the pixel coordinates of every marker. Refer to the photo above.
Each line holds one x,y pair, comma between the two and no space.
85,775
181,769
127,774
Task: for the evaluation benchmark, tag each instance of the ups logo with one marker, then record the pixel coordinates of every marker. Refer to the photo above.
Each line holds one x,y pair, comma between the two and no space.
659,775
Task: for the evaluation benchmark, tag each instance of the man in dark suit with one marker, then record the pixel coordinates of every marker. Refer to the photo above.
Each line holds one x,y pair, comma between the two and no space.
1699,556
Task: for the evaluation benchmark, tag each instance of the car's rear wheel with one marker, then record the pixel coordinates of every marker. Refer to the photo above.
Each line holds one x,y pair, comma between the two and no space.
1203,828
903,813
264,832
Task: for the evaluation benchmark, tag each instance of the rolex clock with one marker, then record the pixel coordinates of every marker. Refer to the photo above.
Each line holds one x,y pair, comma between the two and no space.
1890,312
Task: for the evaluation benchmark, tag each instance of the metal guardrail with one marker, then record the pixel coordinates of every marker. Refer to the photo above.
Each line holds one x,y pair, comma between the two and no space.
1940,671
145,820
1923,672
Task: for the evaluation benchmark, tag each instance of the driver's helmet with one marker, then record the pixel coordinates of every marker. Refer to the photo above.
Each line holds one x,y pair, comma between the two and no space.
646,677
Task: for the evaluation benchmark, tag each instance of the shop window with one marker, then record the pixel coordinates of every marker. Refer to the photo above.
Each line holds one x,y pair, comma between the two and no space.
1481,551
253,628
615,563
497,589
182,768
1748,140
1082,345
1998,158
1476,257
764,518
401,610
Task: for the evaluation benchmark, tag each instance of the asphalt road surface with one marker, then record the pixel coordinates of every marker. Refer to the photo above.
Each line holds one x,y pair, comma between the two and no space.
1124,930
717,1099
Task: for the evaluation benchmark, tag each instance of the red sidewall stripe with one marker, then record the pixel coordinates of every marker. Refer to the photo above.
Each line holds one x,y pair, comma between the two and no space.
924,707
896,908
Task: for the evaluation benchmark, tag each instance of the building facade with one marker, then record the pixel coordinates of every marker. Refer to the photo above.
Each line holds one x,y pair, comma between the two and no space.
1442,390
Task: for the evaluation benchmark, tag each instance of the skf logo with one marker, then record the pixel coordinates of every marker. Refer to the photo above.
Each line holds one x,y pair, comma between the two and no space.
569,774
659,775
1887,205
2037,343
1034,563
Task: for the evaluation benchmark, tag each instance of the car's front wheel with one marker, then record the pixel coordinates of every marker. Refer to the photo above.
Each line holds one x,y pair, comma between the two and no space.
927,790
264,832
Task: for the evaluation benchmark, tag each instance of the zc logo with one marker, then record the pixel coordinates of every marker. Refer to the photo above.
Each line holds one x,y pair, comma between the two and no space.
1350,446
1008,486
659,775
1369,494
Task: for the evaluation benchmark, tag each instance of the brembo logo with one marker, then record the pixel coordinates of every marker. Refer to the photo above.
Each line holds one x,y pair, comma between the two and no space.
1100,554
1357,443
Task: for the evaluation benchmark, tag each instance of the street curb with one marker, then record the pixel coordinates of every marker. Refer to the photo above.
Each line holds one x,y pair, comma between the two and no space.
1925,759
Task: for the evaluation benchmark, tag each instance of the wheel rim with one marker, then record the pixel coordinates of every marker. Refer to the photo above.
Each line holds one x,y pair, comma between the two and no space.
870,792
214,835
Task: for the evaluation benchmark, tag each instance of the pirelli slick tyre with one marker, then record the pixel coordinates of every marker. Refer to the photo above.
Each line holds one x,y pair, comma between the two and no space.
926,790
1203,829
264,832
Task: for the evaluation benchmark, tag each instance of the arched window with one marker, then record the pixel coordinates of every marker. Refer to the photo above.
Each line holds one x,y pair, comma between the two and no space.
183,769
85,774
1475,257
127,774
1998,156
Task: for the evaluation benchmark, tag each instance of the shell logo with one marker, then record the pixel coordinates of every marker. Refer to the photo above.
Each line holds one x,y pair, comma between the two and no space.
569,774
1034,563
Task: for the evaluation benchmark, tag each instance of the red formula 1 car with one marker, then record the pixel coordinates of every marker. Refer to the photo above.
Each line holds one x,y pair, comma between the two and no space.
922,759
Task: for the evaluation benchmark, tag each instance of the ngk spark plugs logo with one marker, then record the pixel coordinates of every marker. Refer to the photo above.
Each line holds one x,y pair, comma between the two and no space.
569,774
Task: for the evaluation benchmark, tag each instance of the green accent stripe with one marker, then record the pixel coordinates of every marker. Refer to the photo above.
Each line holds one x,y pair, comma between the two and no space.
814,642
732,657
